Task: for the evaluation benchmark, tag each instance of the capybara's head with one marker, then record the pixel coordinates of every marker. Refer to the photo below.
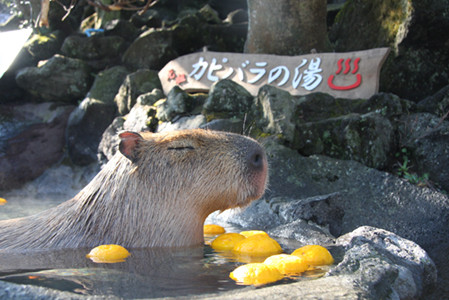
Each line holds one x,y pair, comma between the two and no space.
218,170
156,192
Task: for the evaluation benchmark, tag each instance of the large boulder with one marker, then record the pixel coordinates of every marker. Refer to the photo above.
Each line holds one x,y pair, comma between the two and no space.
178,103
107,83
277,112
227,99
60,78
367,138
98,51
135,84
151,50
32,139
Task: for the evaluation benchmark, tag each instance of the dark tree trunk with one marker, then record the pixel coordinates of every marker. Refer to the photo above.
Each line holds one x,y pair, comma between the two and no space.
287,27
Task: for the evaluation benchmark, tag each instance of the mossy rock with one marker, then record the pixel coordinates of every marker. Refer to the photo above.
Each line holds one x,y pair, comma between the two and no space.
135,84
368,138
107,84
227,99
44,45
380,23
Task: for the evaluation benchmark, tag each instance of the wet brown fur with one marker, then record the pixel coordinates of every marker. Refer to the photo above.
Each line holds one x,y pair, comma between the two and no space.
159,195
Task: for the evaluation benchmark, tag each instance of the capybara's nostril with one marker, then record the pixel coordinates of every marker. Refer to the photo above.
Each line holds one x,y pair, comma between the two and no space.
256,159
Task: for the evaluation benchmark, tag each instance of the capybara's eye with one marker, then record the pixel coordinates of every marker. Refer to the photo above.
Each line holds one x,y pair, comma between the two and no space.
181,148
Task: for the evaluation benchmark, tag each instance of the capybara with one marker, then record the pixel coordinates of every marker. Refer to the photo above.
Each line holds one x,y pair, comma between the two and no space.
156,191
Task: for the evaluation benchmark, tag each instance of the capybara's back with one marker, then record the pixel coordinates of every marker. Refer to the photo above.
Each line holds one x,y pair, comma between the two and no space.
156,191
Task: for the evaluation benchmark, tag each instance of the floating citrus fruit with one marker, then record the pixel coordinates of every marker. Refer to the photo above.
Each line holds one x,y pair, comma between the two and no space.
108,254
249,233
2,201
226,241
314,255
287,264
213,229
257,245
255,273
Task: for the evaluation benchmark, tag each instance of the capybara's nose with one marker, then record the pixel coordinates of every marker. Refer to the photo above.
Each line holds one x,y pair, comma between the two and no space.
256,158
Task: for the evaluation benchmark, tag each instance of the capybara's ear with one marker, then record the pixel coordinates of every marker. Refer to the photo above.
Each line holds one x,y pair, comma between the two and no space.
128,143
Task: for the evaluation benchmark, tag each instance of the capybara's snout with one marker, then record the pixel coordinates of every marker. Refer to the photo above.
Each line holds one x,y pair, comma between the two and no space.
256,159
257,166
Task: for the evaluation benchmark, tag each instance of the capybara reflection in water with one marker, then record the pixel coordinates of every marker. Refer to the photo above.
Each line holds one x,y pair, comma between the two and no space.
156,191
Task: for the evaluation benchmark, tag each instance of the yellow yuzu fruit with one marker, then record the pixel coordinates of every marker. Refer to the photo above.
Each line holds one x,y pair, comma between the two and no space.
248,233
108,254
255,273
226,241
314,255
257,245
213,229
287,264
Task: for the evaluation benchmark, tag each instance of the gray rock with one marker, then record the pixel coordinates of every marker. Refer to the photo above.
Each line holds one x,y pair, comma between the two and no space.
151,50
135,84
93,47
230,125
150,98
179,103
109,140
367,138
139,118
258,215
386,104
278,112
191,32
321,210
183,123
437,104
388,265
85,128
412,268
176,104
304,232
31,140
227,99
59,79
107,84
319,106
426,137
